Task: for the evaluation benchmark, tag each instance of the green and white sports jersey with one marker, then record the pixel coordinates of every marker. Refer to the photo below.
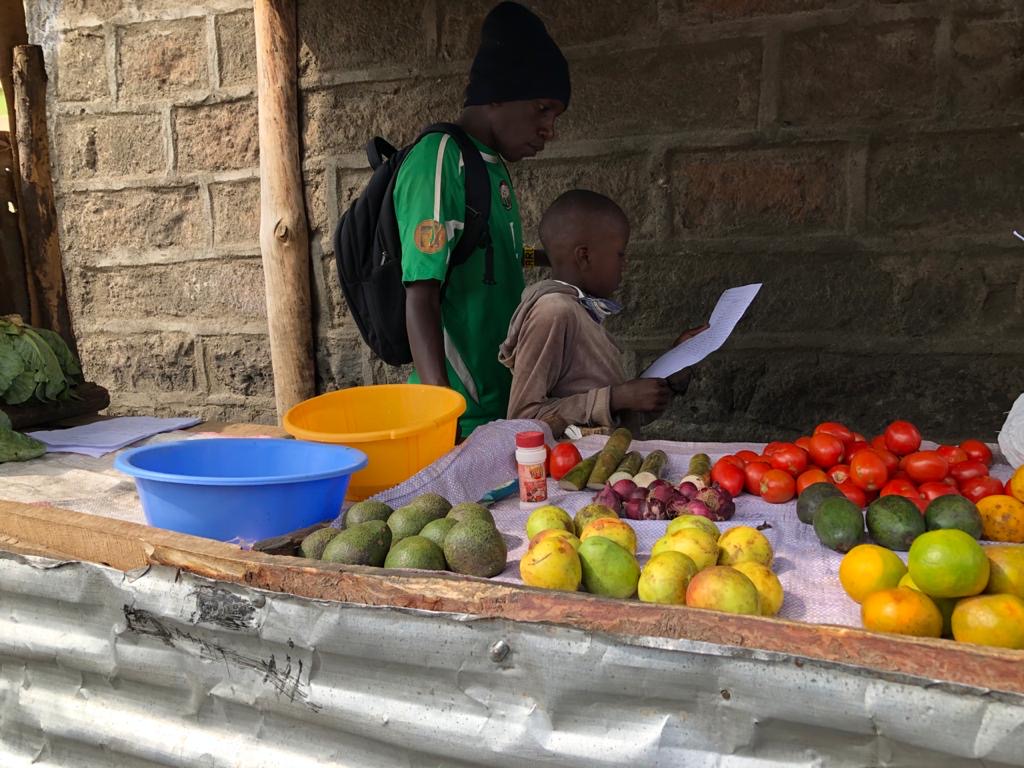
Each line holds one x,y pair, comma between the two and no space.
430,206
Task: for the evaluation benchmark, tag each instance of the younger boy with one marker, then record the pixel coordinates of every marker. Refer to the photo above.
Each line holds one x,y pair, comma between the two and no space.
566,368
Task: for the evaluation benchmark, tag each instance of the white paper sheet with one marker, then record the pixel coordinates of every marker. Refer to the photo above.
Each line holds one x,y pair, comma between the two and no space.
102,437
731,306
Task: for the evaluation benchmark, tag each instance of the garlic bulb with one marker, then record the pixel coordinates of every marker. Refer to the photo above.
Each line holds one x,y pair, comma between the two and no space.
1011,436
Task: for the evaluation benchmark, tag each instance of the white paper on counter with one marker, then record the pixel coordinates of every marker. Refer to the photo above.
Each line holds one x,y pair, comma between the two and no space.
731,306
102,437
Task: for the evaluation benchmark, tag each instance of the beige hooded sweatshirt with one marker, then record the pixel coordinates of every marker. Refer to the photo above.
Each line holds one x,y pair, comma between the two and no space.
563,362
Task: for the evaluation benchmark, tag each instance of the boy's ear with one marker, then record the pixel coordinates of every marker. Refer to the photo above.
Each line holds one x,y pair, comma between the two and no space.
581,255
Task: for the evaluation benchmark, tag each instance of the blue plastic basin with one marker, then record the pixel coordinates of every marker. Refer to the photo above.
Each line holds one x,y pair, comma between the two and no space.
240,488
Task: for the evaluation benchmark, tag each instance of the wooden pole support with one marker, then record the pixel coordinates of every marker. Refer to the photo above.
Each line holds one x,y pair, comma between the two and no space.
45,273
284,236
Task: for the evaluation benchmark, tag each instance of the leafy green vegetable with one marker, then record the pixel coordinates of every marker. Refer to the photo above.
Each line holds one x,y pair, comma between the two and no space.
68,363
5,421
11,364
15,446
34,363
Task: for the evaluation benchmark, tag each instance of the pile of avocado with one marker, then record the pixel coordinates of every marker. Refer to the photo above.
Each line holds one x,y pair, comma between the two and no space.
892,521
427,533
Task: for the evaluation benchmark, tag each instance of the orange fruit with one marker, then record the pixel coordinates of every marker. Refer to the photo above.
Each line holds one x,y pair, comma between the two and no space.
1006,569
990,620
1017,484
944,604
1002,518
901,611
869,568
948,563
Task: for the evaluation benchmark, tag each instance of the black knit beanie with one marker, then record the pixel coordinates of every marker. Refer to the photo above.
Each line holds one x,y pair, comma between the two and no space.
517,60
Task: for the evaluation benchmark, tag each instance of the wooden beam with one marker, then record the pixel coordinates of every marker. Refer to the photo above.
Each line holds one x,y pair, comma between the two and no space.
45,272
122,545
284,234
12,34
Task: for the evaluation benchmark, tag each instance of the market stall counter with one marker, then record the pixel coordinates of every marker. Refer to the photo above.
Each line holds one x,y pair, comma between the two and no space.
109,623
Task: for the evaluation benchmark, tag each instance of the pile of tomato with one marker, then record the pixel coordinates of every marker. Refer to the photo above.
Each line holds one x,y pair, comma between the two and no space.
891,463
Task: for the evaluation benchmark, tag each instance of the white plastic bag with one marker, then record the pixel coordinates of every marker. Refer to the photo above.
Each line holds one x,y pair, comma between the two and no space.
1011,436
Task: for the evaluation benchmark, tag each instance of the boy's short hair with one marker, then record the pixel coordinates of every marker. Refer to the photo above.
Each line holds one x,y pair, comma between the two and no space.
568,219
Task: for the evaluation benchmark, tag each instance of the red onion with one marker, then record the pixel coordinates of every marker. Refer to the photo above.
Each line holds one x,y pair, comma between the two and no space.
624,488
687,489
610,499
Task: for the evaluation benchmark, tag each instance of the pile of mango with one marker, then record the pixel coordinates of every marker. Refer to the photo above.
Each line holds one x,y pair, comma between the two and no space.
427,533
693,564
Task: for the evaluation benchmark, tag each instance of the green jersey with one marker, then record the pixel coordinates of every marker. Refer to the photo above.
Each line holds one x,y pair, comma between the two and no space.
430,206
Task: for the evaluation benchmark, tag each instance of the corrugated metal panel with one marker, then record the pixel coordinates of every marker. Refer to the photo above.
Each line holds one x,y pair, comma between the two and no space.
162,668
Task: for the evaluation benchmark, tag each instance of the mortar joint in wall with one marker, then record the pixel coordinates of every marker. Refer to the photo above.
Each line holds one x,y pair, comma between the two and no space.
212,53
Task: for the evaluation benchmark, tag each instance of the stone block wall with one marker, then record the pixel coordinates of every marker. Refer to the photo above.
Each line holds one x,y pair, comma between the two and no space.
861,158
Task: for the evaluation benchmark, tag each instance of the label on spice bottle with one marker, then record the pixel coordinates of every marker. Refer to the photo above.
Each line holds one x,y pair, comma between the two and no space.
533,484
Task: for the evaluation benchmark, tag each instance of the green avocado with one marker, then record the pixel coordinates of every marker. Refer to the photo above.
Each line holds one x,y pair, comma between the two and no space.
362,511
363,544
416,552
894,522
839,524
809,501
953,511
313,545
436,530
469,509
475,548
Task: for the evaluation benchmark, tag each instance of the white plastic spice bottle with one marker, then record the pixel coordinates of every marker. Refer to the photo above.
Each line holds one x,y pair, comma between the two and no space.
531,455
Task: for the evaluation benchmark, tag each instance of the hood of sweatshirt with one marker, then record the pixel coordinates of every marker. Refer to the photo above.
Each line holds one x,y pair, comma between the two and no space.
507,350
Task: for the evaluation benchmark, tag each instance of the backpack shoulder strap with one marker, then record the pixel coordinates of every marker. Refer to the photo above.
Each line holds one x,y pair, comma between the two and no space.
478,193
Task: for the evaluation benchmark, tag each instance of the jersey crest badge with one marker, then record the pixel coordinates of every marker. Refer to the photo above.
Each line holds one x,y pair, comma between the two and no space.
505,193
430,236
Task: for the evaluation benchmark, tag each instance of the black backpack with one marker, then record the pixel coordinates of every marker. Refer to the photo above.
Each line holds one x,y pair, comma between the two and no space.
368,248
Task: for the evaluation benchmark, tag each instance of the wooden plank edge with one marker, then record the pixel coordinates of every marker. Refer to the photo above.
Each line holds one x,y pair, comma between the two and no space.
128,545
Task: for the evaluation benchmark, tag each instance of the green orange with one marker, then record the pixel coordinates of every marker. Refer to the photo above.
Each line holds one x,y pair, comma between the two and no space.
948,563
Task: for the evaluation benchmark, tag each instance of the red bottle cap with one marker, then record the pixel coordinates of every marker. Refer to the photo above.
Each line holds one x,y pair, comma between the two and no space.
529,439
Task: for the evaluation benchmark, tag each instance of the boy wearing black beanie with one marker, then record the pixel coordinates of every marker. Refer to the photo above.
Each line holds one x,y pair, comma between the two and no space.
518,86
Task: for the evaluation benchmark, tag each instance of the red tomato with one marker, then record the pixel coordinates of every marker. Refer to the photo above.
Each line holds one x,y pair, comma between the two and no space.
754,471
789,457
736,461
803,442
859,438
925,466
892,461
773,446
854,493
810,477
840,473
902,437
977,451
825,450
900,487
855,447
747,456
563,458
835,429
952,454
777,486
978,488
951,482
867,470
968,470
900,474
933,490
878,443
729,476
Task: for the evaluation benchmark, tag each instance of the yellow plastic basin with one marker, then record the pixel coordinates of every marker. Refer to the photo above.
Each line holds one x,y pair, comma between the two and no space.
400,427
